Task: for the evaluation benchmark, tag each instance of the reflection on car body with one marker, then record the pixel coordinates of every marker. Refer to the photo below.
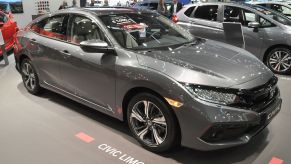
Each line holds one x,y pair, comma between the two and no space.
138,66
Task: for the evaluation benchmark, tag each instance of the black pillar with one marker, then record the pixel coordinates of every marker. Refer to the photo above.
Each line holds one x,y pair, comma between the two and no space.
82,3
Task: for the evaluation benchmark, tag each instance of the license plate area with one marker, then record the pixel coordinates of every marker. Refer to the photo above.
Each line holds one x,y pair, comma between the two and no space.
268,115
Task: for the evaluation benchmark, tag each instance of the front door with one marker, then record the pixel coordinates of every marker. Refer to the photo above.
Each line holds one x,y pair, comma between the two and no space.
88,75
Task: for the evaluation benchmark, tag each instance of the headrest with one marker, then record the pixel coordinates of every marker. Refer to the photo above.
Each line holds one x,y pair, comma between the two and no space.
83,27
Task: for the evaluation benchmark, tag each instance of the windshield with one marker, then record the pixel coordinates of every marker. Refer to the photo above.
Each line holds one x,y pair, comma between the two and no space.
274,15
145,31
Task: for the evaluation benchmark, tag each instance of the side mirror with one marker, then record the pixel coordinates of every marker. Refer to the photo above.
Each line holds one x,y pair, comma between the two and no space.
96,46
1,24
254,25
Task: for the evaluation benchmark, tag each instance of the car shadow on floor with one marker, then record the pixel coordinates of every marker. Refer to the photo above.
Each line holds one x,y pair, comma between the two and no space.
245,154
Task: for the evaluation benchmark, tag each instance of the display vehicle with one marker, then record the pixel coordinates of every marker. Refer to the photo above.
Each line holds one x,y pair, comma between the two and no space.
8,28
140,67
267,34
281,7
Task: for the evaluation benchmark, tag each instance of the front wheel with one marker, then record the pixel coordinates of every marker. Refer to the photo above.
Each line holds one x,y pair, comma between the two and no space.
29,77
279,60
152,123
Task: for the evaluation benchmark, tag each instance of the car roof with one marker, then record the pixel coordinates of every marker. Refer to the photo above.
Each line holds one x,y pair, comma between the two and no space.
238,4
271,2
104,10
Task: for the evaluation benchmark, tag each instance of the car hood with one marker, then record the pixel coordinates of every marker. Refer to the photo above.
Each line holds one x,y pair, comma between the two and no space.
209,63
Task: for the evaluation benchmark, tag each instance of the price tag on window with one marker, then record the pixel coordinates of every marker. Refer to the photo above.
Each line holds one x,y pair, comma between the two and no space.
1,39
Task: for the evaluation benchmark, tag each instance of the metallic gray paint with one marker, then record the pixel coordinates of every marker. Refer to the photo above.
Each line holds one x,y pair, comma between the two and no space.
265,38
101,80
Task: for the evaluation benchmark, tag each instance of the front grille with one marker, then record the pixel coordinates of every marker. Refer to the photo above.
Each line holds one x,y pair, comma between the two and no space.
258,98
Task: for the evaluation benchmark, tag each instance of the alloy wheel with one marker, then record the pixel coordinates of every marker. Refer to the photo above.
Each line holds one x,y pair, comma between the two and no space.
280,61
148,123
28,76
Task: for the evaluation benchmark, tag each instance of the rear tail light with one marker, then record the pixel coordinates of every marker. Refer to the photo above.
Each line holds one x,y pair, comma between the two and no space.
175,18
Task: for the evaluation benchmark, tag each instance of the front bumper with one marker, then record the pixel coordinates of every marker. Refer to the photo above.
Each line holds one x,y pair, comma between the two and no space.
209,127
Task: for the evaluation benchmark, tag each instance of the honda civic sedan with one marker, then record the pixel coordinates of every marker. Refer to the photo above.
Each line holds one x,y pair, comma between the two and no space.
267,34
139,67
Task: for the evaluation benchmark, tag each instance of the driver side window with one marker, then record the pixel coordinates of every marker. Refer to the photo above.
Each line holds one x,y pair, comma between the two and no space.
83,29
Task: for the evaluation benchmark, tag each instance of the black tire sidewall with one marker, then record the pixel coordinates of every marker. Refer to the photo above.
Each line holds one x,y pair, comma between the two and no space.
269,56
172,128
37,87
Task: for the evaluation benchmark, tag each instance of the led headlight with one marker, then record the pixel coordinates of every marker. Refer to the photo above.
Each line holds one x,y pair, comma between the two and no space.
213,95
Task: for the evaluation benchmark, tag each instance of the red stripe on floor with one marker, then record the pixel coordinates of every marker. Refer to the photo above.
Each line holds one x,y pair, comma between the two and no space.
276,160
84,137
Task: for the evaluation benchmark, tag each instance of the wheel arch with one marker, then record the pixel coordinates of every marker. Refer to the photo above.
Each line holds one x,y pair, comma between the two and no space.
272,48
140,89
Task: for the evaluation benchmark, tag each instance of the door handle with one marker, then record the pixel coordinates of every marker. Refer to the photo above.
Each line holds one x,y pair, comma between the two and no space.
66,52
192,22
33,40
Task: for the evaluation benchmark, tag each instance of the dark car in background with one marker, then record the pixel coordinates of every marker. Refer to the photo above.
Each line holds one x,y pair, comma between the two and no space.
267,34
138,66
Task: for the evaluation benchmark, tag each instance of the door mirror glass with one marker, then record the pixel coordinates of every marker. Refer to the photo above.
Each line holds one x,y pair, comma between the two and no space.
253,25
98,44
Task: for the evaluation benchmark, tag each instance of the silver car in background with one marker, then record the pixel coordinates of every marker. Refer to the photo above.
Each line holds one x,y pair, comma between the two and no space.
267,34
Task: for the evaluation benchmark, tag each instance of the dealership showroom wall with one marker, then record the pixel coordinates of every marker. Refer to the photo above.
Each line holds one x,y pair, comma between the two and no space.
145,82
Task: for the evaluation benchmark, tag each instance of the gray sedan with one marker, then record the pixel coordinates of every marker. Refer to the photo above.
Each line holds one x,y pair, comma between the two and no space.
267,34
139,67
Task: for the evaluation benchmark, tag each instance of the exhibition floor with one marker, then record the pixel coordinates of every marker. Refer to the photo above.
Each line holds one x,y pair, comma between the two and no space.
52,129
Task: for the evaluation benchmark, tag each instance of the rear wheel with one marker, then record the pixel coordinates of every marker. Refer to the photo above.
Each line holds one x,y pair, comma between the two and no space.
29,77
152,123
279,60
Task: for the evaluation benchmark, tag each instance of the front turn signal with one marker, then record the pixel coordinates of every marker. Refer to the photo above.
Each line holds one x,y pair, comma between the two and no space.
174,103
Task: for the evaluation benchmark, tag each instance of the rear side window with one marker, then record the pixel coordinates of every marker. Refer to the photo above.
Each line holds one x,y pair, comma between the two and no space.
53,27
207,12
189,11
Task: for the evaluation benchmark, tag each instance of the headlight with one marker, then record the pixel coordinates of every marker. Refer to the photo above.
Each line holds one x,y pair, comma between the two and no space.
213,95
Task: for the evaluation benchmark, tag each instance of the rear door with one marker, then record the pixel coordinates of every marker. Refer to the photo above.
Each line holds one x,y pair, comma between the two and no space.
45,44
206,22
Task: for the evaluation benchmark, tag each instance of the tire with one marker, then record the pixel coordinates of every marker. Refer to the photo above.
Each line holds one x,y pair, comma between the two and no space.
279,60
159,132
29,77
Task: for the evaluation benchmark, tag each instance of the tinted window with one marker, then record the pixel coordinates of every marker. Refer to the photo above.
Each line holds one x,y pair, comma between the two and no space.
207,12
153,6
83,29
54,27
233,14
145,31
189,11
